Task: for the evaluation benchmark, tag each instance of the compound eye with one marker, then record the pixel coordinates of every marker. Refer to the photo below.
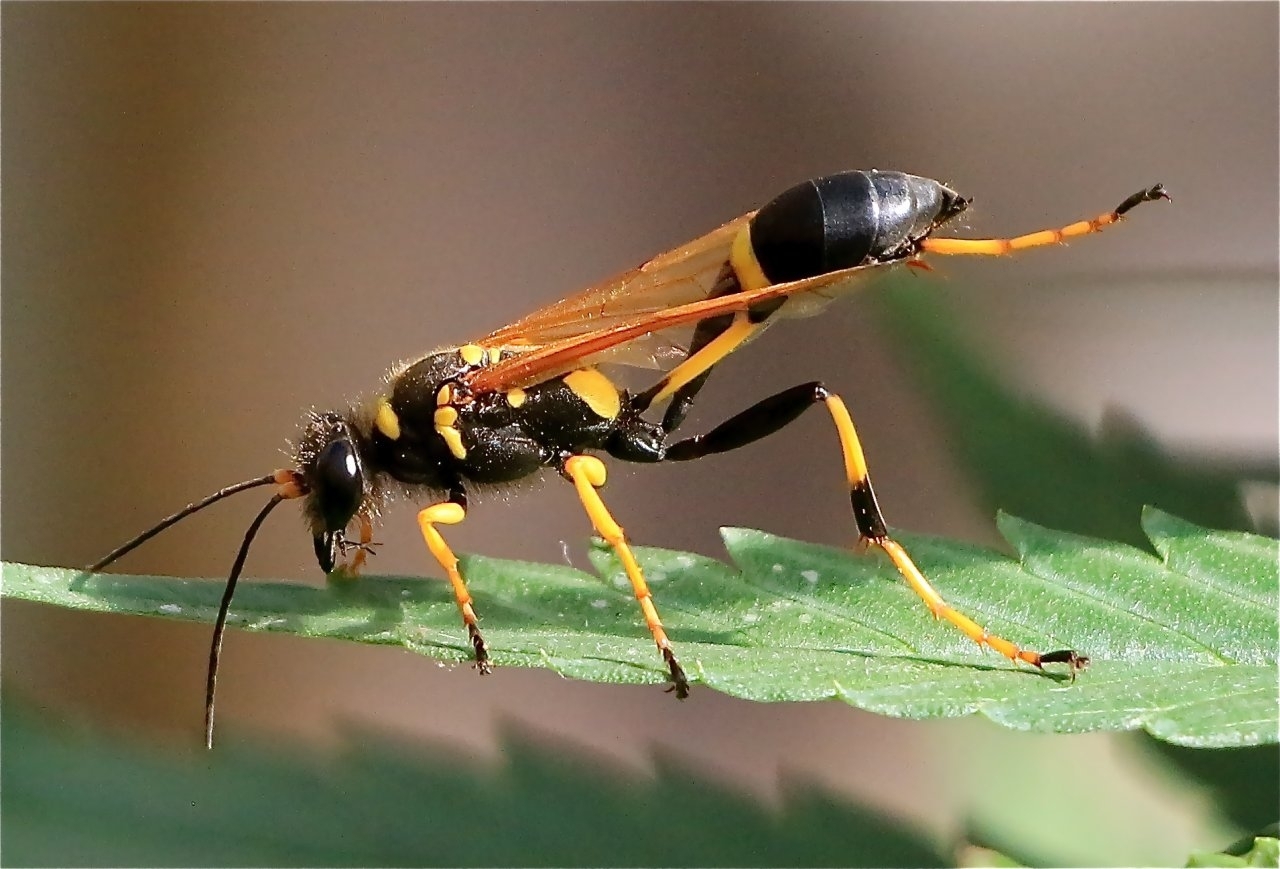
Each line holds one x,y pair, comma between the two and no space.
338,483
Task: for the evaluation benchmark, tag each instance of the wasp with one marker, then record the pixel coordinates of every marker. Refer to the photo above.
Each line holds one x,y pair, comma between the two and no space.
532,397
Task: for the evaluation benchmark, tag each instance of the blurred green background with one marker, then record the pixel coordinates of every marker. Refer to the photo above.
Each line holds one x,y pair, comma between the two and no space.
216,216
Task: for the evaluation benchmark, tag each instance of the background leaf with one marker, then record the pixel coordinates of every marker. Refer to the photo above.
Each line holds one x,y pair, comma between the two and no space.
1028,459
1183,646
1239,784
80,799
1263,852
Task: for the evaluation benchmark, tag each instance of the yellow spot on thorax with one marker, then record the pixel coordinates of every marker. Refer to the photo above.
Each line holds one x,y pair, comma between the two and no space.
596,390
516,397
445,419
472,354
444,396
742,257
453,440
386,420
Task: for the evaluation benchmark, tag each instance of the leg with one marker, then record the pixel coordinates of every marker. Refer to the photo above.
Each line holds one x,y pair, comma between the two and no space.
452,512
998,246
713,340
587,473
773,413
682,386
363,549
693,371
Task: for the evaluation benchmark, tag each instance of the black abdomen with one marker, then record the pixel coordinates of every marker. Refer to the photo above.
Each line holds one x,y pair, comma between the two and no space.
845,220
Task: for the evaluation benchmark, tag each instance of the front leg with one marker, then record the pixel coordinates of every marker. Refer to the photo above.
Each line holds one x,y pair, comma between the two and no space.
452,512
363,549
587,473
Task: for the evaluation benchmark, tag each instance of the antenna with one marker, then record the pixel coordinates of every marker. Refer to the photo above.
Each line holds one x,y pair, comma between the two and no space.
220,626
178,517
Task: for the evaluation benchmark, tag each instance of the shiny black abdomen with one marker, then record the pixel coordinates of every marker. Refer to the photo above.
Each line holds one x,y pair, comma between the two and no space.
845,220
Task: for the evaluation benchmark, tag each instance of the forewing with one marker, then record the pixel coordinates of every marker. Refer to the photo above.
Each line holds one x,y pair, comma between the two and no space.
804,298
670,280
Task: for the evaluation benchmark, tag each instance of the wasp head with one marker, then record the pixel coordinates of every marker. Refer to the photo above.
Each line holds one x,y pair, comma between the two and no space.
330,461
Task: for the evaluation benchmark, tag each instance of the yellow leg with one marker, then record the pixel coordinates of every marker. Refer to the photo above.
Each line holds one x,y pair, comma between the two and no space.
588,474
998,246
450,513
872,527
709,356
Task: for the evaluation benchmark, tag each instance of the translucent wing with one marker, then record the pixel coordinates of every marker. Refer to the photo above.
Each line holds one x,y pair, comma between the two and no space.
593,346
687,274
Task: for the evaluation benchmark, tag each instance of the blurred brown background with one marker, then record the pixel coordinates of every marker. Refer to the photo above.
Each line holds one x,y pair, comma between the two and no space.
216,216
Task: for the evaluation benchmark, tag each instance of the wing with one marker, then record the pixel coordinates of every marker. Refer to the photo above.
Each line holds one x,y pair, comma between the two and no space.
802,298
687,274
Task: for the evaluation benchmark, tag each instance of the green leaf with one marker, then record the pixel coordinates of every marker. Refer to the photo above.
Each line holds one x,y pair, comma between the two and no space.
978,857
1264,852
81,799
1183,645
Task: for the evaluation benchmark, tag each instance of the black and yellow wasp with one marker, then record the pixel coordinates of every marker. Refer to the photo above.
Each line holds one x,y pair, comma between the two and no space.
531,396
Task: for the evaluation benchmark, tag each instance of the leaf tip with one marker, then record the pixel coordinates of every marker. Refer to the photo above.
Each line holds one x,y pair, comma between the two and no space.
1017,531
